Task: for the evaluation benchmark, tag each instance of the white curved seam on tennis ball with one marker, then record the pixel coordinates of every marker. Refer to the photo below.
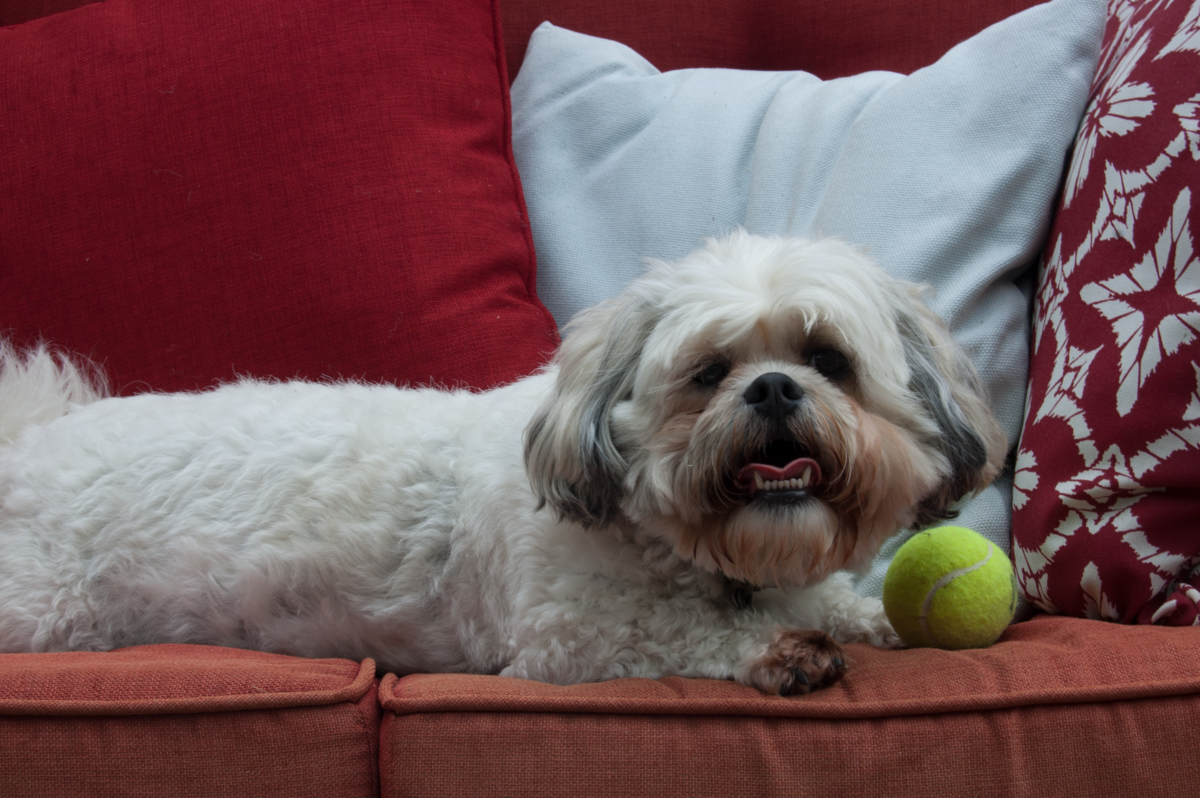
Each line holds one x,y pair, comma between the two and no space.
927,605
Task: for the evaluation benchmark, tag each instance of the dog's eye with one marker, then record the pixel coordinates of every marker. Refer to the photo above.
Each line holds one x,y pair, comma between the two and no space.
712,375
829,362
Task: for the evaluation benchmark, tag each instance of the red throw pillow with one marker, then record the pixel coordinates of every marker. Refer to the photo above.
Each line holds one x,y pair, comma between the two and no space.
1107,495
200,190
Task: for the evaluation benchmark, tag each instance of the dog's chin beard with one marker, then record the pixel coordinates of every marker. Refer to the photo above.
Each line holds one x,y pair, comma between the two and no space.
777,538
766,515
766,519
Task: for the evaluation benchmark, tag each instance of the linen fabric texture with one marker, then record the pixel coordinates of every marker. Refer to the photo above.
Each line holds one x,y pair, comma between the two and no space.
187,720
990,722
828,39
200,191
1108,473
945,176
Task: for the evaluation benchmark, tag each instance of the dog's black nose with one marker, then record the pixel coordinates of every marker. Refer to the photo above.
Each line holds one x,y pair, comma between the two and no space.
775,395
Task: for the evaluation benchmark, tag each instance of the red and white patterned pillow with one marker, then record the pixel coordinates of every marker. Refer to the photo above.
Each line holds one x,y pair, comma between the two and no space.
1107,498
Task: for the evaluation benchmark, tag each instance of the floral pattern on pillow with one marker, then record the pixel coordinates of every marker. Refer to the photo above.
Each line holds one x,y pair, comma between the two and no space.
1107,484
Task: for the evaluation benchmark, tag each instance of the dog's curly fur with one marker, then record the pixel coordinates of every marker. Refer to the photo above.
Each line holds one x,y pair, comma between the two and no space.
748,421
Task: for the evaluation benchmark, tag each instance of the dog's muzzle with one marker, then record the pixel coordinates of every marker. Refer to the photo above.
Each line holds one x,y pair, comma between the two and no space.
784,470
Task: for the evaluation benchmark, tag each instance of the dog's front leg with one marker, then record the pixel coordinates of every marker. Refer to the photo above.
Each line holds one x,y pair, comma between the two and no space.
834,607
674,638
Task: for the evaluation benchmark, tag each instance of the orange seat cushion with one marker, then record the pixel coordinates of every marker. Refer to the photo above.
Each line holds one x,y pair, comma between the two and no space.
1059,707
186,720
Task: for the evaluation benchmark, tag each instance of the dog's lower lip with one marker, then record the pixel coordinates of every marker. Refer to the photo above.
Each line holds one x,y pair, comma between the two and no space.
780,497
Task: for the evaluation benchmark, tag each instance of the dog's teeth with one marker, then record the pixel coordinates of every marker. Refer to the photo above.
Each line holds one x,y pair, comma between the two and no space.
805,477
758,481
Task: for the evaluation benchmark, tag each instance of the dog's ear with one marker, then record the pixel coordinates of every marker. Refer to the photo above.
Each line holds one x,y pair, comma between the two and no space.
945,381
573,462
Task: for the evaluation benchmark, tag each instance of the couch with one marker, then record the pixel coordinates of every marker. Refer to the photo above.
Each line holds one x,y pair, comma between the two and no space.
319,224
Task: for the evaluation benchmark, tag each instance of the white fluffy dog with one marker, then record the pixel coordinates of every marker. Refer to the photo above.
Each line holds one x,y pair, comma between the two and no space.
675,494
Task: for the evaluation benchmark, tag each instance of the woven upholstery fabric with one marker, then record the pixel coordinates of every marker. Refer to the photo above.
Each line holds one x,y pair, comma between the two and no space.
830,39
173,678
197,191
1059,707
1108,474
13,12
186,720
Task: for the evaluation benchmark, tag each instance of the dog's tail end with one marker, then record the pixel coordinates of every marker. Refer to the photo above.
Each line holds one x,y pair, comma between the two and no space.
41,384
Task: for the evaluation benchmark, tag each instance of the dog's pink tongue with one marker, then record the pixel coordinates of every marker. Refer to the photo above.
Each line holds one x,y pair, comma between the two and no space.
756,475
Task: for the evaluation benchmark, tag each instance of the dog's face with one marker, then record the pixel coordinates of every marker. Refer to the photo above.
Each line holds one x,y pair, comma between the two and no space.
773,408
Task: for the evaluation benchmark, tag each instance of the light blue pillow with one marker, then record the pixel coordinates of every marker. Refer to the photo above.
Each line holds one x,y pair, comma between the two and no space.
946,176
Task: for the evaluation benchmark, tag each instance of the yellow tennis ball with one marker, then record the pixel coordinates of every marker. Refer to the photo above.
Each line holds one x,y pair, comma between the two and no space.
949,587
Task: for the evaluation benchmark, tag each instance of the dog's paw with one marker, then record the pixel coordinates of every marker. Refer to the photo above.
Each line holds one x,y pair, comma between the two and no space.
863,620
887,637
876,628
795,662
